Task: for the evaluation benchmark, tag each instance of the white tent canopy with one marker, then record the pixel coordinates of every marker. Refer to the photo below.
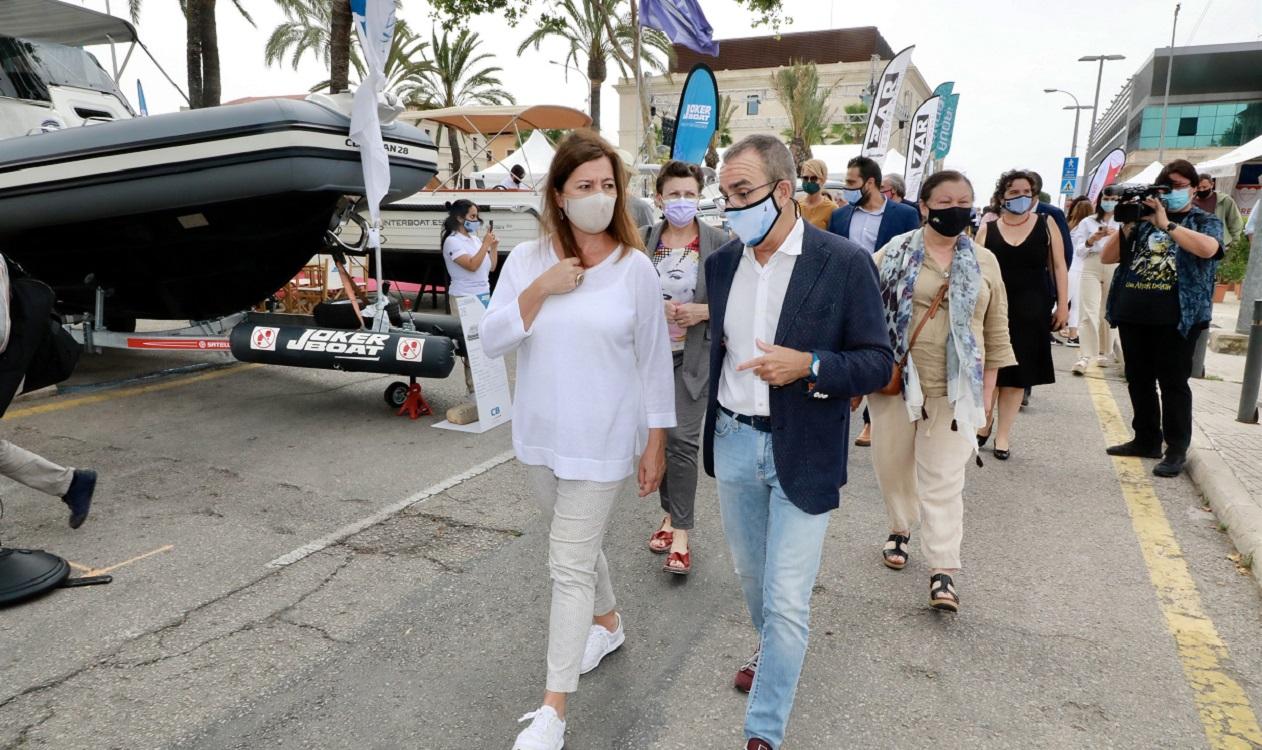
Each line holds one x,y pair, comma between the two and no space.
1227,164
535,156
1147,176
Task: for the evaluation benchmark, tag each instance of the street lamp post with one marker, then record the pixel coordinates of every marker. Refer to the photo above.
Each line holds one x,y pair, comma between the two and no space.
1165,100
1077,108
567,66
1095,104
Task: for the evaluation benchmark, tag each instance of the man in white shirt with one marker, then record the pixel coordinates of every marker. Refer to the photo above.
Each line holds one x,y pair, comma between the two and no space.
514,178
797,328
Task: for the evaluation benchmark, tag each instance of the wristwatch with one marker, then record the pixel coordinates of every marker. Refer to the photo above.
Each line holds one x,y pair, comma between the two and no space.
814,367
1171,227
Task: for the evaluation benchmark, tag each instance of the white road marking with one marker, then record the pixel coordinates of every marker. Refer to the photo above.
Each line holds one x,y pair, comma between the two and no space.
382,514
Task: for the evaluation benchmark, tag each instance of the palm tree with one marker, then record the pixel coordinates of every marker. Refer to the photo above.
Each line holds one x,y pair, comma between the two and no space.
454,79
584,26
319,27
309,29
201,47
722,131
806,104
852,129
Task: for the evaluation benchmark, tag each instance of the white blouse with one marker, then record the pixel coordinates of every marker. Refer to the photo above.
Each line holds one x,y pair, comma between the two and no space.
594,372
1087,227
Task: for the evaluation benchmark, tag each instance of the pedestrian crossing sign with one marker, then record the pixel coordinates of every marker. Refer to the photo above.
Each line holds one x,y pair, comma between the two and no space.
1069,186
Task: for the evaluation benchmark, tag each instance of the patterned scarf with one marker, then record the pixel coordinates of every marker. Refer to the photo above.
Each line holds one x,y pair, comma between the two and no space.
898,273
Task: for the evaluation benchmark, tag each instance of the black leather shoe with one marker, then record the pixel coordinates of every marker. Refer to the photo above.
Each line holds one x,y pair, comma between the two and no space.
1002,455
1171,465
1134,449
79,496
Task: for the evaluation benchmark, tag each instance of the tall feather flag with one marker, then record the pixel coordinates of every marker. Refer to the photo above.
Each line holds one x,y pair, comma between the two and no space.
682,21
884,105
374,22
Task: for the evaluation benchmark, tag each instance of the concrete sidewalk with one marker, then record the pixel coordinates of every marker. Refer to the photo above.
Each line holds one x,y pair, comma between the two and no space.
1225,461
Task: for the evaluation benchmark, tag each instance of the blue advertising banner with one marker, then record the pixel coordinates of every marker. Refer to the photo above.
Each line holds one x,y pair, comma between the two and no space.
944,89
698,115
946,126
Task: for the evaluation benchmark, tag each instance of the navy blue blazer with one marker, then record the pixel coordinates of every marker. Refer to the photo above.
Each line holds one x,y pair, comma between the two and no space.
897,219
833,308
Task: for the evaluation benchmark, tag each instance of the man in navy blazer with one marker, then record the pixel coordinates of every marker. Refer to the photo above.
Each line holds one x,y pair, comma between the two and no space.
797,329
869,218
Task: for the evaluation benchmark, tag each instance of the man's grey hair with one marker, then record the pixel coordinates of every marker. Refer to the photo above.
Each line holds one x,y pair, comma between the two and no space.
897,184
775,156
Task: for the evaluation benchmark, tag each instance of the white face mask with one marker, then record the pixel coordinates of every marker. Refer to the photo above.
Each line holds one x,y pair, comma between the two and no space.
591,213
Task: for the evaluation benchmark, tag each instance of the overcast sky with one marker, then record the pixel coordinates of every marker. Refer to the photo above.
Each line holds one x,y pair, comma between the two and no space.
1000,53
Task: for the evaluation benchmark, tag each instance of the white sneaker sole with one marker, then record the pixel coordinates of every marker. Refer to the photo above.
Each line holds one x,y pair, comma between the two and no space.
619,639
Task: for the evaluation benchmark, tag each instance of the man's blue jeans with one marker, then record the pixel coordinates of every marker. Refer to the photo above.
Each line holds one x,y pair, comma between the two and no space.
776,547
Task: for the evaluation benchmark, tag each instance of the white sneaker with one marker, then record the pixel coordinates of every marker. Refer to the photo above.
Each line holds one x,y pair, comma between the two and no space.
546,731
600,643
1080,367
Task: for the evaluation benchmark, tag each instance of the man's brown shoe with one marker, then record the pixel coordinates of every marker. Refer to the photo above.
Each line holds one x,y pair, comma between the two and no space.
757,744
745,675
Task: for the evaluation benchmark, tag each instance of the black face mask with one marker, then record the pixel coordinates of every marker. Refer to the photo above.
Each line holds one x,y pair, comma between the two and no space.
949,222
1203,194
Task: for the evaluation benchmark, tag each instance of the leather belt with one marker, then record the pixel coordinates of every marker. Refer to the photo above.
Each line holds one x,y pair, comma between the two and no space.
762,424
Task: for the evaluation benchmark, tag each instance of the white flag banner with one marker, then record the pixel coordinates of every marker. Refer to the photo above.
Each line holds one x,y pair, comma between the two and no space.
374,23
1106,172
920,151
884,101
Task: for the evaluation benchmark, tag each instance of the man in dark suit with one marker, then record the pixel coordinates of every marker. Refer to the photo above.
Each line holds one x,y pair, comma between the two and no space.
797,329
870,219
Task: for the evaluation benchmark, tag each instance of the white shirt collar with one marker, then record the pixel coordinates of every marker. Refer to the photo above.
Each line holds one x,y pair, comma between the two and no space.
792,244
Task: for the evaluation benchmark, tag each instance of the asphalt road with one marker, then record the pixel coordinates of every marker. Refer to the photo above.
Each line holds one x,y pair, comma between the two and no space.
427,629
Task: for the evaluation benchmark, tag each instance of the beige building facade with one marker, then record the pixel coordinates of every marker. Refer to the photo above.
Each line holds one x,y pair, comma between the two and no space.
848,61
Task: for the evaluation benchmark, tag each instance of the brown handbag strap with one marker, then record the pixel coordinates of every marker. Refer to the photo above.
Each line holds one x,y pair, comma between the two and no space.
933,310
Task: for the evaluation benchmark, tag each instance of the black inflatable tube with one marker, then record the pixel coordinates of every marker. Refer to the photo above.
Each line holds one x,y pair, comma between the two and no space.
405,353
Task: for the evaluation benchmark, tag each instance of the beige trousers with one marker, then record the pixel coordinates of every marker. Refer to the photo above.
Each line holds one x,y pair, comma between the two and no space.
1093,288
920,469
578,514
34,470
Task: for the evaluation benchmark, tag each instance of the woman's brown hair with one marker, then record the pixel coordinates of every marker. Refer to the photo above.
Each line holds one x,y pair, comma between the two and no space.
676,168
578,148
1080,211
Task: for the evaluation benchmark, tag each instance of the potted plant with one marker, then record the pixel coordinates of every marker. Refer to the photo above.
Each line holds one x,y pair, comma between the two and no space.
1231,270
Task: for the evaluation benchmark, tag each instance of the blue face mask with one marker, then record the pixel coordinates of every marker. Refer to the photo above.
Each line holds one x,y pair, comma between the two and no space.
1177,200
753,222
472,226
1108,206
1018,205
852,195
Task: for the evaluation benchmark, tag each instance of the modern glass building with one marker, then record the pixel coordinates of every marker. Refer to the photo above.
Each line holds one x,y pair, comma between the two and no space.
1215,105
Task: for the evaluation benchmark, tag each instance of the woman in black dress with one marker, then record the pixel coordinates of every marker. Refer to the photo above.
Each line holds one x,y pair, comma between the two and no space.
1027,245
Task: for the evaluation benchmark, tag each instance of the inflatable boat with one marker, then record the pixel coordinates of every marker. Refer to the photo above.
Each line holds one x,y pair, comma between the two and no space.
189,215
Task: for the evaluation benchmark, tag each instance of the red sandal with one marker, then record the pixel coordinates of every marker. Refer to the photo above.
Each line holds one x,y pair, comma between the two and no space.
683,564
662,539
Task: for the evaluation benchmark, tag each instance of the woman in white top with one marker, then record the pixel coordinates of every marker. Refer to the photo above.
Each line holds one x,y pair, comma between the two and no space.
1089,237
469,259
595,388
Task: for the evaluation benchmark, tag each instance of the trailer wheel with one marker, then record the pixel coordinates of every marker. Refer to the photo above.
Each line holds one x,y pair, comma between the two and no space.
396,394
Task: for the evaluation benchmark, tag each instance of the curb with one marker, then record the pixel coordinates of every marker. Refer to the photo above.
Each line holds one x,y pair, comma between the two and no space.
1228,498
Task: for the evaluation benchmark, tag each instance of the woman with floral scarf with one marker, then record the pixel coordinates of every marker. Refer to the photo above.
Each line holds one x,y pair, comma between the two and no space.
946,293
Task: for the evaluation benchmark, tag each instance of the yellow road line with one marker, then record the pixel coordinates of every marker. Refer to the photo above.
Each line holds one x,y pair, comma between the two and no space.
140,390
1224,708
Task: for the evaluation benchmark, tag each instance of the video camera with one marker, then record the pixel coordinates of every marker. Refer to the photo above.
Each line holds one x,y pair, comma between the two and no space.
1130,201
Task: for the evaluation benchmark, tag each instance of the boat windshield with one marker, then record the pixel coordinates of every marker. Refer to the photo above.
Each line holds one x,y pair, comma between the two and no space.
28,68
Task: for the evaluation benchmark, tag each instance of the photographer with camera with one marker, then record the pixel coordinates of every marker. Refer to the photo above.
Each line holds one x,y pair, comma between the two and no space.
1160,300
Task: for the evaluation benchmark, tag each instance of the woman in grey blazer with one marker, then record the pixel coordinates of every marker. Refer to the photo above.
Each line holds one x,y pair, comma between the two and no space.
679,246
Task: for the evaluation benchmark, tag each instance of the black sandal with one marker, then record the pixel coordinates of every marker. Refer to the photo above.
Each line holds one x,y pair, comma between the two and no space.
938,583
899,548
